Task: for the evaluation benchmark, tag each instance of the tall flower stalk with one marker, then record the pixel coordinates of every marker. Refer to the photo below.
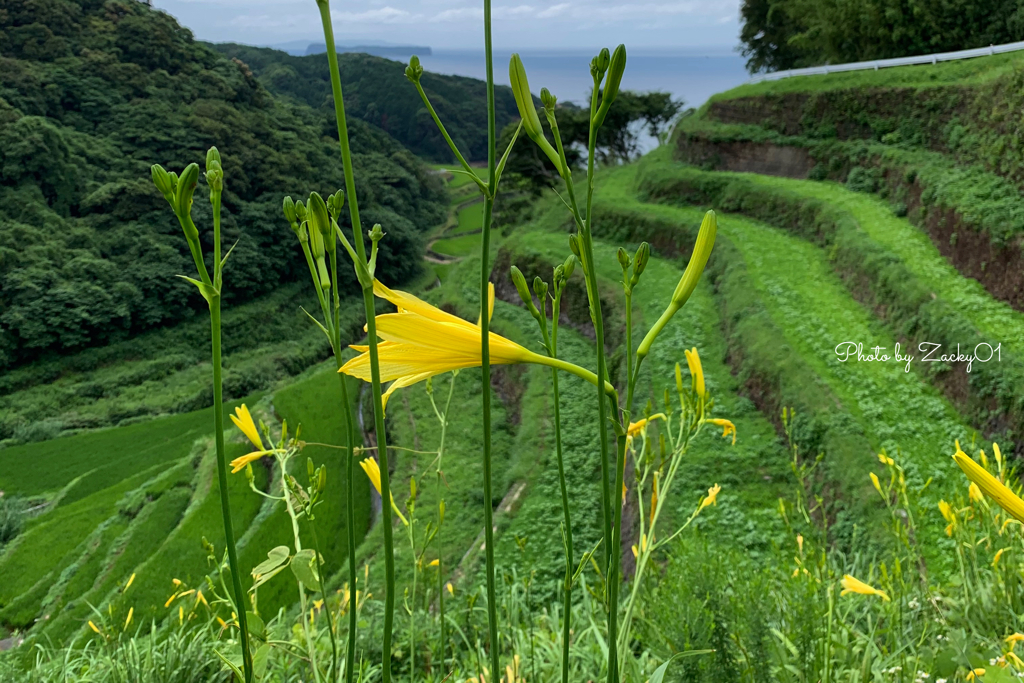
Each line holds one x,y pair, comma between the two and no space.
364,267
178,192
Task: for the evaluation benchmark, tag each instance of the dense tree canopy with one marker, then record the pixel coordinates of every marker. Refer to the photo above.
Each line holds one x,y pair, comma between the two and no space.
785,34
377,92
92,92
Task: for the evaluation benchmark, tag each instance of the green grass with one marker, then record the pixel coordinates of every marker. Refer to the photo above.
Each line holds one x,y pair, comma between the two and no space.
976,70
471,218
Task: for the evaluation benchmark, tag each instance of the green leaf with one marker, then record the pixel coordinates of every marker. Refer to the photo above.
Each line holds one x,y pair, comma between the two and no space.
255,625
504,157
259,661
659,674
225,259
228,661
276,557
209,292
305,572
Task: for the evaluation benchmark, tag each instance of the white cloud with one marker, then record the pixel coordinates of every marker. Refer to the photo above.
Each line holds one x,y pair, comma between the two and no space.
554,11
384,15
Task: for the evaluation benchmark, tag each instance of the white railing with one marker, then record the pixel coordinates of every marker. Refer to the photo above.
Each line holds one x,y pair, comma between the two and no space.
885,63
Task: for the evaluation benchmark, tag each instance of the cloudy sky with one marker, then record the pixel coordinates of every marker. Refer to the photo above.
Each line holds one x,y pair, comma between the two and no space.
522,24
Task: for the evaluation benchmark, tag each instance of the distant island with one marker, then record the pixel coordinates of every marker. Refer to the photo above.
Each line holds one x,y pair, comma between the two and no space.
376,50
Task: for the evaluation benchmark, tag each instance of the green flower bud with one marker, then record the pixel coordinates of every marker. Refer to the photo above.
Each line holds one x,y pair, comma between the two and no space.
214,171
310,470
643,254
414,71
524,291
376,233
290,215
615,69
321,485
335,202
698,259
300,211
184,190
558,278
524,100
162,180
569,266
548,100
623,258
574,245
540,288
599,64
319,219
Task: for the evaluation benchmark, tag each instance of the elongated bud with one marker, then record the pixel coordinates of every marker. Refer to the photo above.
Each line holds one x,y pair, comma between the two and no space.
540,288
289,213
643,254
318,216
440,519
524,100
335,202
214,171
184,190
679,379
414,71
698,260
569,266
310,470
300,211
321,485
519,280
558,277
548,100
574,245
616,67
163,182
599,64
623,258
376,233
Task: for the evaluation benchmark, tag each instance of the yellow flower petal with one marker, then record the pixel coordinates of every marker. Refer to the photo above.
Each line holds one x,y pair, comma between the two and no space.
711,498
638,426
727,427
990,486
696,372
974,493
243,420
372,470
999,554
854,585
94,627
974,673
239,463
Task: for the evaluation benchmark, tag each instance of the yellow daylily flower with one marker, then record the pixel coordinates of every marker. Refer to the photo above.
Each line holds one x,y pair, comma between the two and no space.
451,589
372,470
1013,639
947,513
434,563
696,372
974,673
636,553
131,580
131,613
875,483
638,426
999,554
854,585
1017,662
420,341
711,498
654,498
94,627
727,427
999,457
239,463
800,543
990,486
181,615
974,493
243,420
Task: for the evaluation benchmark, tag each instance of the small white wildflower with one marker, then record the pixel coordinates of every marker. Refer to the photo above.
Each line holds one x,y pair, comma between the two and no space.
923,674
913,604
992,661
940,680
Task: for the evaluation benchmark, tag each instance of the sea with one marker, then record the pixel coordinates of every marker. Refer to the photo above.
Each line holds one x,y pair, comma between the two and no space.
689,75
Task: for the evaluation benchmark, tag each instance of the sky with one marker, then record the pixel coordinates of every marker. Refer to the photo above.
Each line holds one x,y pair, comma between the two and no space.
703,26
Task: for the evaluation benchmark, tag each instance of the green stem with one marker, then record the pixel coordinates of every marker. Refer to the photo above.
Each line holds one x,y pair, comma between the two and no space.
412,601
323,596
567,519
613,566
371,331
443,417
222,478
485,351
293,515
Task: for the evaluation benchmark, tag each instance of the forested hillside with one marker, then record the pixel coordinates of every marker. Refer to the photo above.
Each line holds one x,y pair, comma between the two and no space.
377,92
92,93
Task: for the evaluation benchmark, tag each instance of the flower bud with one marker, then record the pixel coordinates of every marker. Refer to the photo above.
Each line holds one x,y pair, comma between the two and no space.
548,99
643,254
310,470
335,202
540,288
376,233
289,213
214,171
616,67
184,190
679,379
558,277
162,180
524,291
414,71
318,216
599,64
574,245
321,485
300,211
524,100
569,266
698,260
623,258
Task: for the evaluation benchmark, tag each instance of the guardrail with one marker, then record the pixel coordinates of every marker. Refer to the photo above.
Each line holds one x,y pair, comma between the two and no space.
886,63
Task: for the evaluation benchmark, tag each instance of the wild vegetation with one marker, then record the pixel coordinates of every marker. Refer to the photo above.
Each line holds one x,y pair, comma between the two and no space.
760,510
